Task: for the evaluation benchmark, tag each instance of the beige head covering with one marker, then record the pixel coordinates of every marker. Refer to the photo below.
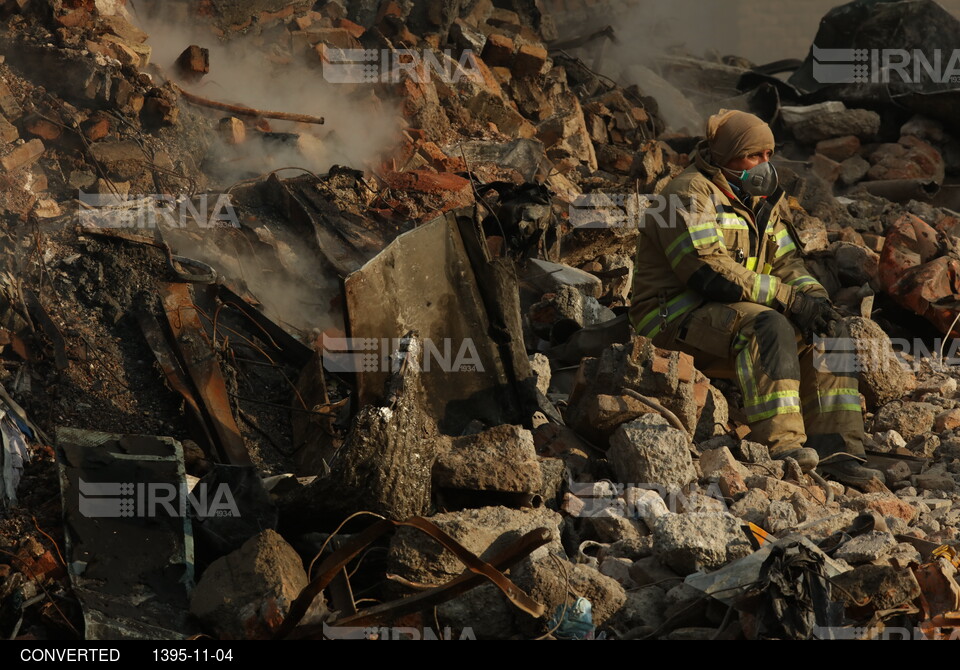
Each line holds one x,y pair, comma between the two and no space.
734,134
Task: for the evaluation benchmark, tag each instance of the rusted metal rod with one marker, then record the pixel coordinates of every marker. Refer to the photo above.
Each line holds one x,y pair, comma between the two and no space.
247,111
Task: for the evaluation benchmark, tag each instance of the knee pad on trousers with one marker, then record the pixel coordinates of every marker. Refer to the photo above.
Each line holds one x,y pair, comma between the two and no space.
777,342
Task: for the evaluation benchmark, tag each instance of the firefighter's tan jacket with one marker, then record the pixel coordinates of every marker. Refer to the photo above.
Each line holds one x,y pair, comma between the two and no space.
700,243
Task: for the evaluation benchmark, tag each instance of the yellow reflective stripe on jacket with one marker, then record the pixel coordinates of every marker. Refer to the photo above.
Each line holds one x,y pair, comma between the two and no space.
703,235
803,280
679,248
652,323
730,221
752,263
764,289
785,243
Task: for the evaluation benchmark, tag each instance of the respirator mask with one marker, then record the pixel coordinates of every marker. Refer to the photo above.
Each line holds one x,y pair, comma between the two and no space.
759,181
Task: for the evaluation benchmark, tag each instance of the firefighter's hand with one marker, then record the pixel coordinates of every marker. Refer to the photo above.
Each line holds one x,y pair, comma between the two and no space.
813,316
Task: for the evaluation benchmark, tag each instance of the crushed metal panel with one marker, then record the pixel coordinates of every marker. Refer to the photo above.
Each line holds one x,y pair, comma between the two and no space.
423,281
130,561
200,360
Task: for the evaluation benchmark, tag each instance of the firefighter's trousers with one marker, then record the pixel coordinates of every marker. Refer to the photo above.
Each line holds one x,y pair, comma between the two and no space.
791,400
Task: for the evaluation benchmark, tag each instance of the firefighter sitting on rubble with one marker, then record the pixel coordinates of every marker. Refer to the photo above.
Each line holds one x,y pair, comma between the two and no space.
723,281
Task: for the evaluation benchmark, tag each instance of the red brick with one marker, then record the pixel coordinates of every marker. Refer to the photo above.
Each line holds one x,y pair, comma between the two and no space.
427,182
351,27
498,51
660,364
302,22
529,60
335,37
42,128
839,148
825,168
25,154
96,127
685,370
193,63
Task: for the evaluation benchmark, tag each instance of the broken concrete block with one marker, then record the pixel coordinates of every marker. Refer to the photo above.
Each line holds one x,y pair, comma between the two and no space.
644,607
8,132
911,419
690,542
645,504
650,451
548,277
754,452
887,441
540,367
606,413
484,531
8,104
23,155
934,482
193,63
883,377
606,521
247,594
649,569
947,421
731,483
752,507
884,504
853,170
780,517
488,107
714,460
866,548
385,464
829,120
617,569
501,459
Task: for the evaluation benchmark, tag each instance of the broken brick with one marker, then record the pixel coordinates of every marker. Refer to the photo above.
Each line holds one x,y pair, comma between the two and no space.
340,38
96,127
498,51
232,130
193,63
25,154
355,30
42,128
529,60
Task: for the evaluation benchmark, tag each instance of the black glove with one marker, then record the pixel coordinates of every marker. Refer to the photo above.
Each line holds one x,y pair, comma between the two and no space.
814,316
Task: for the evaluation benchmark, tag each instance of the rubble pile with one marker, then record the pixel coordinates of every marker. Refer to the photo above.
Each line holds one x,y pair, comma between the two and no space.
393,392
